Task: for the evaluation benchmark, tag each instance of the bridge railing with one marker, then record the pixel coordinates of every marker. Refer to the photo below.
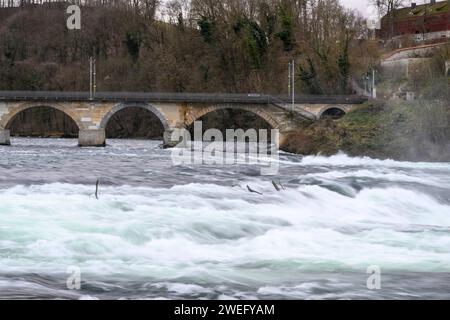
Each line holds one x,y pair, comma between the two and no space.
289,108
173,97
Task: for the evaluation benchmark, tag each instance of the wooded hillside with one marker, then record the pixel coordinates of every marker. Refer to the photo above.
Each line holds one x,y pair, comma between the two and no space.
183,46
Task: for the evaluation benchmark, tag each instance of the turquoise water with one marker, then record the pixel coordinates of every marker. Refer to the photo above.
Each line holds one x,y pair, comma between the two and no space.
162,231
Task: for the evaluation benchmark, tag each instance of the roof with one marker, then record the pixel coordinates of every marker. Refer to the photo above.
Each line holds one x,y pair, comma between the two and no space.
423,9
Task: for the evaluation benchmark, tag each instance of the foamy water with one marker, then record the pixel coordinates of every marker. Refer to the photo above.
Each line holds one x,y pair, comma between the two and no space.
161,231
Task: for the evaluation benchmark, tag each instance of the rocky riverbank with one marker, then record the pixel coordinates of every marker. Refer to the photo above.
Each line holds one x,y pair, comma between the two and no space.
400,130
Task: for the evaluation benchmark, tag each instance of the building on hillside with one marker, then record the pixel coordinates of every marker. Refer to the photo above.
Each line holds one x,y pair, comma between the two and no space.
425,22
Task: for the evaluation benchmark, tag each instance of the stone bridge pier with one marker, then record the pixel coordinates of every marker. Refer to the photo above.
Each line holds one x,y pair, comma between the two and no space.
92,116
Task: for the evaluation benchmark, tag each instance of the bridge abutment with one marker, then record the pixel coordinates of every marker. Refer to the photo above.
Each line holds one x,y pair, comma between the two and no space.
92,138
4,138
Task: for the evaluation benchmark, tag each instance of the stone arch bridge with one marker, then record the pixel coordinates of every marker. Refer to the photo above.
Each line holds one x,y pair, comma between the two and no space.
174,110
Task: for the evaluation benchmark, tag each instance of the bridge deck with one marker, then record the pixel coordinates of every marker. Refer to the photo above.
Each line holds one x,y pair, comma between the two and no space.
175,97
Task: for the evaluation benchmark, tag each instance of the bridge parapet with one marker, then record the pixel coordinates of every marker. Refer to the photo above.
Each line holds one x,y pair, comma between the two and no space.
149,97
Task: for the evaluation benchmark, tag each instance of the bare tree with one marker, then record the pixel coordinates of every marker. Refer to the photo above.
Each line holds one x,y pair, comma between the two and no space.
389,8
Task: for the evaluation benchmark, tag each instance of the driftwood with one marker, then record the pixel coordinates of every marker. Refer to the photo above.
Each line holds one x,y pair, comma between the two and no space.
276,186
96,189
253,191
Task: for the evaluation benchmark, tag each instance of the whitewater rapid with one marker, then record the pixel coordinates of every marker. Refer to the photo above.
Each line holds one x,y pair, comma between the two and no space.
160,231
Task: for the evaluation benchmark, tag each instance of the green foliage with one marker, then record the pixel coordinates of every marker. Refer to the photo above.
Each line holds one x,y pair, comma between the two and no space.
286,34
270,22
206,29
9,53
240,23
254,39
256,42
133,41
13,49
308,76
344,67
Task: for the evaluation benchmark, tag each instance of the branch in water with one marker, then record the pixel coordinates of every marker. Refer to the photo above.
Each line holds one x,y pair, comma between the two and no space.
96,189
253,191
276,186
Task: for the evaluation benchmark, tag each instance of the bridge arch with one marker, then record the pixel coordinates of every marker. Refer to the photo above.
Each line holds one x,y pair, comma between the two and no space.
7,119
258,111
335,112
121,106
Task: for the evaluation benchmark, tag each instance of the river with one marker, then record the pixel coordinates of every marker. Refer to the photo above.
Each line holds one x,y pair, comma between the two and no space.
165,231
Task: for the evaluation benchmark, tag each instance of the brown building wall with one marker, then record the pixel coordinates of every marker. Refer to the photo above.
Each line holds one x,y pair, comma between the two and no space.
415,25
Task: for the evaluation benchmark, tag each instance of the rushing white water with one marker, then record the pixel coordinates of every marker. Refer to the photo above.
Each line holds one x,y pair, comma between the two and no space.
164,231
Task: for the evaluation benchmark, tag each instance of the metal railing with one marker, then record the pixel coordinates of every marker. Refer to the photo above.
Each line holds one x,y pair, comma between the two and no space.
175,97
290,108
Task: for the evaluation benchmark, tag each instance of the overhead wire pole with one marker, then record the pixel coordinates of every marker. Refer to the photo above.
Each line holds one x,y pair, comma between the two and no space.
374,89
94,87
289,78
365,84
90,78
293,84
